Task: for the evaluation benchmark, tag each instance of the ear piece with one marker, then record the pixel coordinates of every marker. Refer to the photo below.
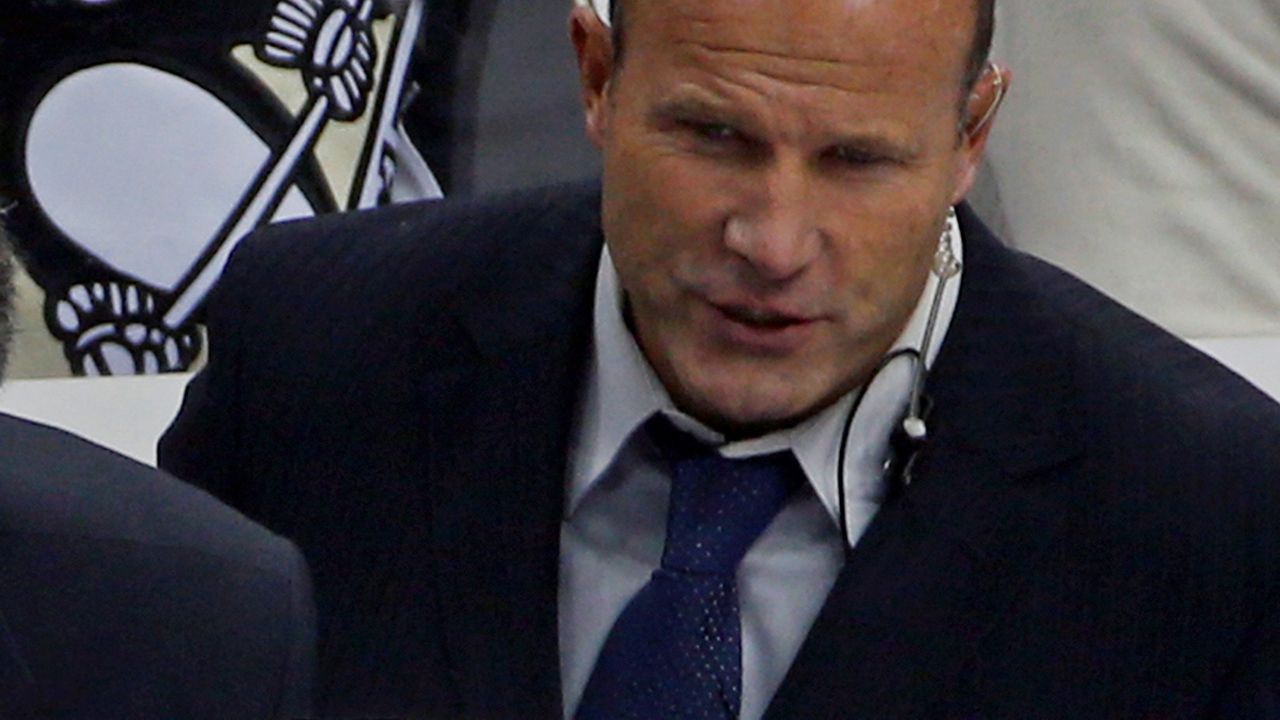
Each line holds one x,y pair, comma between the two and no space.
602,8
999,86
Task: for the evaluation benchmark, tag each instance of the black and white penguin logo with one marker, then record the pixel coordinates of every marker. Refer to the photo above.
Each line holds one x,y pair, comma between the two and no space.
141,140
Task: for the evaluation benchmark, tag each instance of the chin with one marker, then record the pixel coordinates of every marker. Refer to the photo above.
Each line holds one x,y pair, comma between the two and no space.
751,407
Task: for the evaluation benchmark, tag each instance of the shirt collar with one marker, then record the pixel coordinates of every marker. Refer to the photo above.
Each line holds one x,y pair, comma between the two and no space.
623,391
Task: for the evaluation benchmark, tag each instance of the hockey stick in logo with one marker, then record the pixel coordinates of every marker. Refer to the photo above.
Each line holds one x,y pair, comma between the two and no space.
331,43
372,176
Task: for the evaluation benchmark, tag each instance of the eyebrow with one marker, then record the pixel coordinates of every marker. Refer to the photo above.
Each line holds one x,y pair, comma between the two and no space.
682,108
699,109
877,145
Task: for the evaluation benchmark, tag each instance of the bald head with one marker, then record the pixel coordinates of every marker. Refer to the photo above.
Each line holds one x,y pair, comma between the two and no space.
979,48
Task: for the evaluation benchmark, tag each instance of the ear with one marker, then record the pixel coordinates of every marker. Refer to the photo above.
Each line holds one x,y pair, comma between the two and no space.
980,114
593,44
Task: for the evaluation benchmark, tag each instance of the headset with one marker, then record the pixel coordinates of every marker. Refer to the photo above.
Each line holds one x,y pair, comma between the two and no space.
1001,86
910,434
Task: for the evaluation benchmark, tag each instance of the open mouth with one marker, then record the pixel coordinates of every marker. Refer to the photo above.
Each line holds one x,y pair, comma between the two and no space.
764,331
761,318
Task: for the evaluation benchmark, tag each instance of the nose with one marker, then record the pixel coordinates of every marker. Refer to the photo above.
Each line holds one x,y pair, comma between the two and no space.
776,230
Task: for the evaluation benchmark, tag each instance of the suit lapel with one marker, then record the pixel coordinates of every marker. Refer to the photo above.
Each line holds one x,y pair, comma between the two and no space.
940,562
498,443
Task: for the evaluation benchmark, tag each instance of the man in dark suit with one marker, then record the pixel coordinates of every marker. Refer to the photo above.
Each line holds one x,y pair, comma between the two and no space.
126,594
693,476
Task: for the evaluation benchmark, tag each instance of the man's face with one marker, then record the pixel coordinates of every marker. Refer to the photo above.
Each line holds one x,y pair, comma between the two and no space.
776,178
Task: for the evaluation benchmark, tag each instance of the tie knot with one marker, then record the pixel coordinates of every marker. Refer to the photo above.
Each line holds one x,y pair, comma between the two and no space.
719,506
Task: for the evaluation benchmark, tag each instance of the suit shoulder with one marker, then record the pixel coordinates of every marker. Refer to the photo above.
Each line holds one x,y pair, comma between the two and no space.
1108,334
322,296
1132,376
55,484
432,242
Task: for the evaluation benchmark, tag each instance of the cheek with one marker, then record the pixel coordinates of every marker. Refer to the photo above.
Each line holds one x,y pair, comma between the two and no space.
880,269
687,195
663,213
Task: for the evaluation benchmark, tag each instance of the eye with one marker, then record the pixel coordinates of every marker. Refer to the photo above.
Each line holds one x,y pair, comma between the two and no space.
855,156
713,131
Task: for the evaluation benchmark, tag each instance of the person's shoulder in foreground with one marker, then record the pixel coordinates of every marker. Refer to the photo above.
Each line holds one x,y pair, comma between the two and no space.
124,593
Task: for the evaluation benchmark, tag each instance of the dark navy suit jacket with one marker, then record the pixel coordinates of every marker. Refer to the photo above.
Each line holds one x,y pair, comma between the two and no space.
127,594
1094,529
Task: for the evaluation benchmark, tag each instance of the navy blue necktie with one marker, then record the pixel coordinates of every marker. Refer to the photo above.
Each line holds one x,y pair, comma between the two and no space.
676,649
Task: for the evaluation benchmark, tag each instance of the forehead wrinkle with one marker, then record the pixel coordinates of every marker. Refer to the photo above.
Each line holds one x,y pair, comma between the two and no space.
791,72
774,54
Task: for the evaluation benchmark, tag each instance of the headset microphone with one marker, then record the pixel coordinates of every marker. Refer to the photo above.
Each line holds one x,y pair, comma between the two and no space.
910,435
